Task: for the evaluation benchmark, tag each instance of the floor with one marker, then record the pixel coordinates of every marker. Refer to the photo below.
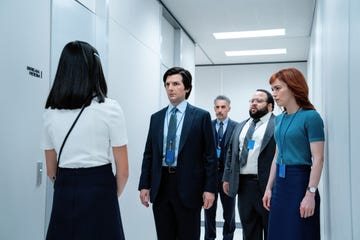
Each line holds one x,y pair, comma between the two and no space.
219,222
237,234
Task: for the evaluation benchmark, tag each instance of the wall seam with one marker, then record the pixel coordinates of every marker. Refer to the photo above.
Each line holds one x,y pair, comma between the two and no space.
349,117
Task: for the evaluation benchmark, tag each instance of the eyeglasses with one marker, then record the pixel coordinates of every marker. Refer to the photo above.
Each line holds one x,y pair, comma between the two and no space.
257,100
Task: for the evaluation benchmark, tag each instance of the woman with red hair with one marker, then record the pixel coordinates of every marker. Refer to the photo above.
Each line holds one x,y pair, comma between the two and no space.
291,194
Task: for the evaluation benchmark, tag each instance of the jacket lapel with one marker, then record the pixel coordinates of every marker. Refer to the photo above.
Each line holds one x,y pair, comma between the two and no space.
214,130
229,129
188,121
236,142
269,132
160,125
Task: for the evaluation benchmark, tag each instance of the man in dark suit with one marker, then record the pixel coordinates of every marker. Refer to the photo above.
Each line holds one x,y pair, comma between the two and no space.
248,162
223,128
179,168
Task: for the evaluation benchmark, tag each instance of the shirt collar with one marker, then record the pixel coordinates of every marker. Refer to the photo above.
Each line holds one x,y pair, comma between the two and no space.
181,107
224,122
265,118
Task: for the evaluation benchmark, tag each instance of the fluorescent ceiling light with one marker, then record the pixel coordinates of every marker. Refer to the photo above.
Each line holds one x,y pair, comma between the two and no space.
255,52
250,34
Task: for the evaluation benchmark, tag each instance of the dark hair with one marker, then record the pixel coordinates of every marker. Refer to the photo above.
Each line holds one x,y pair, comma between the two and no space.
296,82
186,78
222,97
269,99
79,78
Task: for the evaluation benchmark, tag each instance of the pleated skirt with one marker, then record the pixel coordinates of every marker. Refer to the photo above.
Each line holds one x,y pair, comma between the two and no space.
285,222
85,205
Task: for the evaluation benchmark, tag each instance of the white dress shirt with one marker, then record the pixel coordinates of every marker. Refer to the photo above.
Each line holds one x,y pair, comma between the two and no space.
180,114
100,127
251,166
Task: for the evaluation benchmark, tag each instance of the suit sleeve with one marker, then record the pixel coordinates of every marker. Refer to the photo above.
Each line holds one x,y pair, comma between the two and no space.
145,177
211,163
227,165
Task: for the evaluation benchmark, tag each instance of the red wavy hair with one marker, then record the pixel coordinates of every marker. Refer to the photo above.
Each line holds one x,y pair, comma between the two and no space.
296,82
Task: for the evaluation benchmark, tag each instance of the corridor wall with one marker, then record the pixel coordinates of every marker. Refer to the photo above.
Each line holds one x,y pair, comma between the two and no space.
334,72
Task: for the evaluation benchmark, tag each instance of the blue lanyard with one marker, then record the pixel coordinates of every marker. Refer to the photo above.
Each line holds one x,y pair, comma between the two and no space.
282,141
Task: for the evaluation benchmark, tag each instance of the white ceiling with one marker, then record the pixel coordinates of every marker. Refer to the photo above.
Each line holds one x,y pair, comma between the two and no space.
201,18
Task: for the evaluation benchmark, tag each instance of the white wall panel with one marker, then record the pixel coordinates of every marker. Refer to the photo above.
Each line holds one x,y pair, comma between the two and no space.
354,86
70,21
187,60
140,18
163,96
209,84
134,81
187,55
317,95
25,42
167,43
337,101
336,56
90,4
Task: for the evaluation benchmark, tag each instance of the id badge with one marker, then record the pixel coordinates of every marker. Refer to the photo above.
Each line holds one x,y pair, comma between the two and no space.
170,157
251,144
218,152
282,170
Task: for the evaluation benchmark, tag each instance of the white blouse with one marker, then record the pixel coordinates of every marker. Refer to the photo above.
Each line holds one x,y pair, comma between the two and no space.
100,127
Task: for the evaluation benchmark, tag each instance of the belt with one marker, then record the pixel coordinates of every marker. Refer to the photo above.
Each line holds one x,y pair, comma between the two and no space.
169,170
249,176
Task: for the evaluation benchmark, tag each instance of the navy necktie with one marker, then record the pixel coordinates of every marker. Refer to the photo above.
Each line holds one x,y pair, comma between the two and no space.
220,132
248,137
171,136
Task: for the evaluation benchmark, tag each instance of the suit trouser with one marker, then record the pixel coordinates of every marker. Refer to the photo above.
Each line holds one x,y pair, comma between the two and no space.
173,220
228,205
253,216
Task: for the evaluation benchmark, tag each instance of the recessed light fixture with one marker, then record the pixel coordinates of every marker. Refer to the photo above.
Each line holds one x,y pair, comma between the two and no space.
250,34
255,52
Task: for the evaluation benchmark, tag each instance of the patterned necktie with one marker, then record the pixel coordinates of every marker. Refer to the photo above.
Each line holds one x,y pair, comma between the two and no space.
248,137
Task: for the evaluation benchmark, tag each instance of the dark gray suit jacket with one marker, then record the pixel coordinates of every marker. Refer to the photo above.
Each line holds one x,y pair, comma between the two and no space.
196,170
267,151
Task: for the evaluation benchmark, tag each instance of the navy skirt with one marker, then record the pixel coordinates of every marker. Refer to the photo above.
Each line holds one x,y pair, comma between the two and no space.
284,219
85,205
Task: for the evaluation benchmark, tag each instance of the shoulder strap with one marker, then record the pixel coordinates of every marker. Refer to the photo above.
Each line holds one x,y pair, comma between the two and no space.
67,135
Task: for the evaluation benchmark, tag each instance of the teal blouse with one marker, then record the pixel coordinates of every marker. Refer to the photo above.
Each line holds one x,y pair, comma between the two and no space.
294,133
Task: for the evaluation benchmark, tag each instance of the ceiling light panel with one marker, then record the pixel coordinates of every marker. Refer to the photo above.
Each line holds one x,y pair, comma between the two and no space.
255,52
250,34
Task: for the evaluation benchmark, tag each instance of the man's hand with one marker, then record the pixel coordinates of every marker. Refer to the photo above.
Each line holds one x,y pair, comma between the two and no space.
208,199
144,197
226,188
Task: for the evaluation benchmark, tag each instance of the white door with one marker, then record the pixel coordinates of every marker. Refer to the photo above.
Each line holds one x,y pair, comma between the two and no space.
24,78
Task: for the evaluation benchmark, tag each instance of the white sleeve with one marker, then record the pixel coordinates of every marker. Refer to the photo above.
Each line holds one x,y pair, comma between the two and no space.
117,125
46,142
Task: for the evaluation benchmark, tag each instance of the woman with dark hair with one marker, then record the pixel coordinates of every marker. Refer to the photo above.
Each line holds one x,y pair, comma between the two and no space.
291,193
81,127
